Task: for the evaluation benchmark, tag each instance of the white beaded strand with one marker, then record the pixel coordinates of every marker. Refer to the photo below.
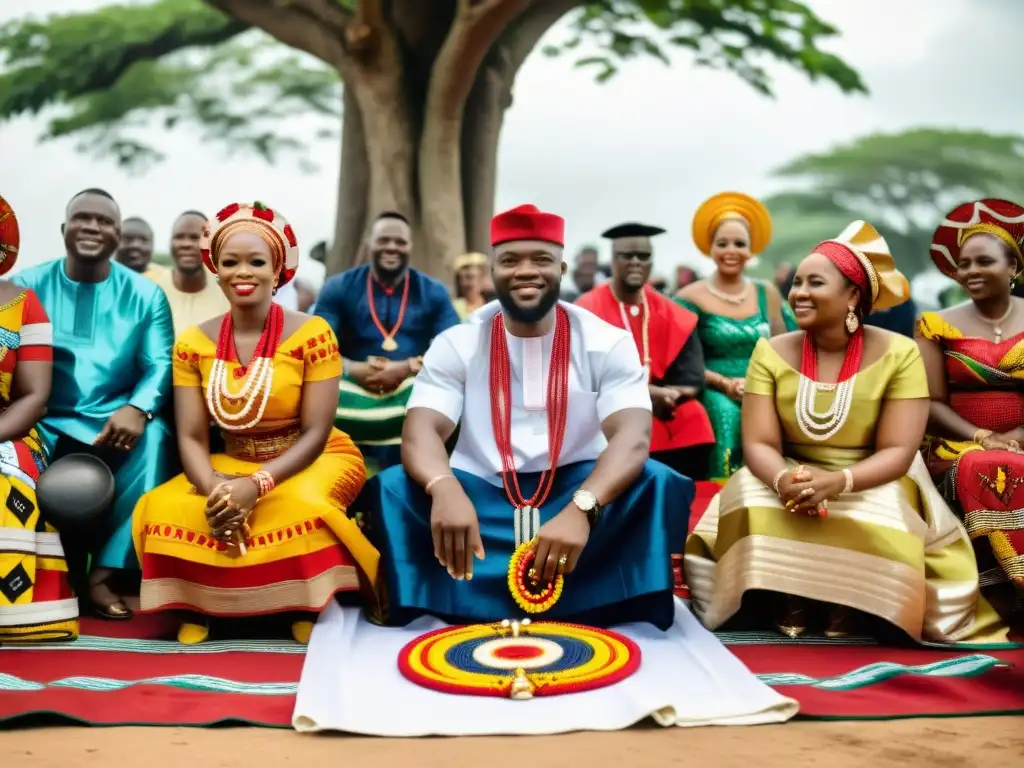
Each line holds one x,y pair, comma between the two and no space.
258,381
821,426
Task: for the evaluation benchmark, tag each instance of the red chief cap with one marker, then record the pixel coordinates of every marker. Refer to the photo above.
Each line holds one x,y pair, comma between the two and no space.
527,222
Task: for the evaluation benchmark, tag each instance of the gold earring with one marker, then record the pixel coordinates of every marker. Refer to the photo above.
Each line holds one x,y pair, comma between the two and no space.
852,323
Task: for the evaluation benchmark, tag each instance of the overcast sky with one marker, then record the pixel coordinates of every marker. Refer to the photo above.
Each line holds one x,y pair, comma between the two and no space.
649,145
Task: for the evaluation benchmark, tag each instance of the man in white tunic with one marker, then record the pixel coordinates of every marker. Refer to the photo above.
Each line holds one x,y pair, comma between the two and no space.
534,382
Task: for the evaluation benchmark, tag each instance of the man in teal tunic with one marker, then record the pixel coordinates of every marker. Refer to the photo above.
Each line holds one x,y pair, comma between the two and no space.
112,339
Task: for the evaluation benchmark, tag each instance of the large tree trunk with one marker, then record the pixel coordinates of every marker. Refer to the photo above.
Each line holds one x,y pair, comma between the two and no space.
352,216
481,134
425,97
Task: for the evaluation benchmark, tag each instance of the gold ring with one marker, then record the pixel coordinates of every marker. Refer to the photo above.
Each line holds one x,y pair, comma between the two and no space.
562,562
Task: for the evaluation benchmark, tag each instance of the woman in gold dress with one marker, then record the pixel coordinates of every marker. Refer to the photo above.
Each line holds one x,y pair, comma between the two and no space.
262,528
835,510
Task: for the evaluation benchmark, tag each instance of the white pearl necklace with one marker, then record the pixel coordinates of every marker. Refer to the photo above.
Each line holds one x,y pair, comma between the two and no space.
822,425
256,388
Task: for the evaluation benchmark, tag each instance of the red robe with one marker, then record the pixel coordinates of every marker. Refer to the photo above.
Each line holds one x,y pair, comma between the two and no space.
669,328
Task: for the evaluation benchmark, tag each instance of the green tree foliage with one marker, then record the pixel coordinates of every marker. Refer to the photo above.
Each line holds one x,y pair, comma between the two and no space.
428,81
903,183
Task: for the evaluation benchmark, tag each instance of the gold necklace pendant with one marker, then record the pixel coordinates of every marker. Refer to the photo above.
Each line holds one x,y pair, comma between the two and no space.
389,344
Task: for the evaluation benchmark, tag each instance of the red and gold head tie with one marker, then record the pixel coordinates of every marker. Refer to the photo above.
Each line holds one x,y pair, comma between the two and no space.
987,228
266,223
856,267
10,237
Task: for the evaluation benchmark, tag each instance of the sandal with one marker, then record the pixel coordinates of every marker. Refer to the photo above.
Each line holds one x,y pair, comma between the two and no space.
115,609
791,618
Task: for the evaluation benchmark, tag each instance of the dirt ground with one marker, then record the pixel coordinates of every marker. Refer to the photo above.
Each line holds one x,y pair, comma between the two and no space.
945,743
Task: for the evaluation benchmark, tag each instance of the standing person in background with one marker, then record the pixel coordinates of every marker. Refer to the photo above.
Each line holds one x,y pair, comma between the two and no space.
112,339
385,315
135,250
193,296
469,272
584,271
681,435
733,313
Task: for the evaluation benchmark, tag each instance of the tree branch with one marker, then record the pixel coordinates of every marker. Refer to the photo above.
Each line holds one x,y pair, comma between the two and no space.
522,37
476,28
314,26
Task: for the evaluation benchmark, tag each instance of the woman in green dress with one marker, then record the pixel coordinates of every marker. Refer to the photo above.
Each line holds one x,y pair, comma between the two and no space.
835,515
733,313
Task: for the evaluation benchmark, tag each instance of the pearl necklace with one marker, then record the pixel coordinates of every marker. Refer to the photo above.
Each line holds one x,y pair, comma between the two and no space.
823,425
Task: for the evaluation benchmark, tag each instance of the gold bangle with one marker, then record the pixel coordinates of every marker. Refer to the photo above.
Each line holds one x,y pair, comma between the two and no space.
435,480
778,479
848,474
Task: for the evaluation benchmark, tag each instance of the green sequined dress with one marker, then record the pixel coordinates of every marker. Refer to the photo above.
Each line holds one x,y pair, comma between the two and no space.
728,344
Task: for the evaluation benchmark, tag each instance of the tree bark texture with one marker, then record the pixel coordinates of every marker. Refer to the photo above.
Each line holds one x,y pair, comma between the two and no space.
427,83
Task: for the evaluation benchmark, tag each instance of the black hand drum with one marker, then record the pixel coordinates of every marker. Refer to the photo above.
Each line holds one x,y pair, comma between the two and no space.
75,491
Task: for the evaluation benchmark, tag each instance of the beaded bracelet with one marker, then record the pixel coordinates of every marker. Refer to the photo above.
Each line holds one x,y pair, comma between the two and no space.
264,482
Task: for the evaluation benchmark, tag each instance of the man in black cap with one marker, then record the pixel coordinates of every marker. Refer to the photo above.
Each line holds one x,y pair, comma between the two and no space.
681,435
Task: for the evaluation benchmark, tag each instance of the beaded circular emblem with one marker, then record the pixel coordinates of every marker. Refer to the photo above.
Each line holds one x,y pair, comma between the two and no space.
518,660
530,594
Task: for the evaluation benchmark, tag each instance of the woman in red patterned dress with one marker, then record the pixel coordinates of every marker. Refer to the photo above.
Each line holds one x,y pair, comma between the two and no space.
36,602
974,355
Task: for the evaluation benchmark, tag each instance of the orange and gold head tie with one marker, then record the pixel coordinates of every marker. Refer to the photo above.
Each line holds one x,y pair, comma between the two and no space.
262,229
987,228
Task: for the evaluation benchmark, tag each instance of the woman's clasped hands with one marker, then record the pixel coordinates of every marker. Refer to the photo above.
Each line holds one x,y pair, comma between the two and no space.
806,490
228,508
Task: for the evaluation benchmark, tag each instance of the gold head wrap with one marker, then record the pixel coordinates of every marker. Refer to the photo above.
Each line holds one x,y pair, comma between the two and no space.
889,287
473,259
719,209
1000,233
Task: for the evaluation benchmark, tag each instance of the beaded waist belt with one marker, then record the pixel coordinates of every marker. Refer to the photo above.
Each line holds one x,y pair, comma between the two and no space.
262,447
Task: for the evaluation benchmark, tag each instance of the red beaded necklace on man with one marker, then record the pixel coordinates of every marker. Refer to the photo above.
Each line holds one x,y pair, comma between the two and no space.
557,407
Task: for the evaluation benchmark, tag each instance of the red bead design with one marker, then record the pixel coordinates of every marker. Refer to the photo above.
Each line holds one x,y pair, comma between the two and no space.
228,211
266,347
851,362
557,406
289,234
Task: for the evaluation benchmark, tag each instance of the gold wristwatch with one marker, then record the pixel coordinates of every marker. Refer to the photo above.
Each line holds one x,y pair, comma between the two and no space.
588,505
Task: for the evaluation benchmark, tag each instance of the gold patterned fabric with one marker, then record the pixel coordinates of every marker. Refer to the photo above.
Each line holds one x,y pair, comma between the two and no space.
896,551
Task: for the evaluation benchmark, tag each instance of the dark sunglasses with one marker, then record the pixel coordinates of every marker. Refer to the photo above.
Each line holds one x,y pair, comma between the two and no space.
634,255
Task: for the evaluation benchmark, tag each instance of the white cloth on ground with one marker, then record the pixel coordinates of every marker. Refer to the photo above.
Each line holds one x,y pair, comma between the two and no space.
351,683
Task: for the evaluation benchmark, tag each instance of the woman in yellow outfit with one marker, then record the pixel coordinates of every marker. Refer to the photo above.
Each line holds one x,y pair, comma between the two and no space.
262,528
835,515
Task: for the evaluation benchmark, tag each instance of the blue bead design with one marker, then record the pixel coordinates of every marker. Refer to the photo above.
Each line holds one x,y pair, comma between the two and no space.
9,339
575,653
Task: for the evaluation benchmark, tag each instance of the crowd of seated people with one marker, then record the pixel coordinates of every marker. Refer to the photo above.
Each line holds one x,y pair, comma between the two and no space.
382,443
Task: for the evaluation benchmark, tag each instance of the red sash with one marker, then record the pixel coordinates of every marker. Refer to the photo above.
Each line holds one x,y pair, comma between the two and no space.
669,328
